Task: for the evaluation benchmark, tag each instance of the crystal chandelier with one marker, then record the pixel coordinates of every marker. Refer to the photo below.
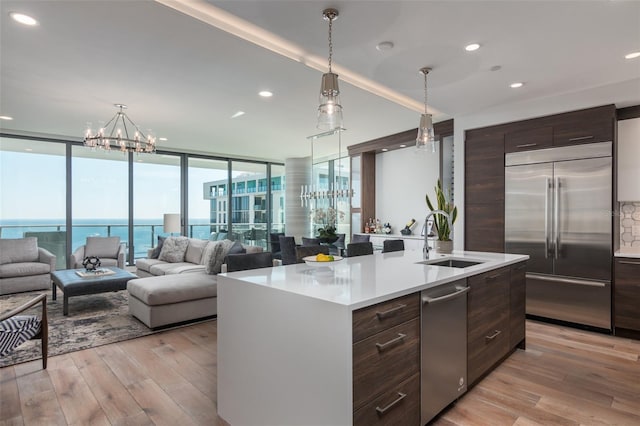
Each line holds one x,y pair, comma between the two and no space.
426,140
330,110
117,137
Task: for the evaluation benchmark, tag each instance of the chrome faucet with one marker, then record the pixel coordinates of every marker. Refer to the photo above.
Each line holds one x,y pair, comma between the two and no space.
425,250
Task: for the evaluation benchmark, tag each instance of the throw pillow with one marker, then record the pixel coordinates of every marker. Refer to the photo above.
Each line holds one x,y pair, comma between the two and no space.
174,249
195,250
216,258
156,251
208,253
237,248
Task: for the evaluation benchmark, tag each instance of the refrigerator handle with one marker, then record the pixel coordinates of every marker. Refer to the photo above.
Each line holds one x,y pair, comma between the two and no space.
547,187
556,218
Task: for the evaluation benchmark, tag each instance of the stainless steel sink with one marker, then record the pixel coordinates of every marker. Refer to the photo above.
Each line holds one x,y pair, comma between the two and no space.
451,263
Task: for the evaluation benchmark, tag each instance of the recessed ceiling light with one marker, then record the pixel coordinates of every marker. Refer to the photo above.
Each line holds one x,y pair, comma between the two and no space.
237,114
28,149
385,149
403,146
516,85
23,19
384,46
265,94
5,117
471,47
632,55
163,139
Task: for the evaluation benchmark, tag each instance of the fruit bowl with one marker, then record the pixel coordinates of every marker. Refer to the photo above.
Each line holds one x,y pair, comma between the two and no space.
311,261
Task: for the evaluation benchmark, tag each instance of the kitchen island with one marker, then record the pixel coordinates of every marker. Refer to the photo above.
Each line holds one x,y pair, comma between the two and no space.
288,337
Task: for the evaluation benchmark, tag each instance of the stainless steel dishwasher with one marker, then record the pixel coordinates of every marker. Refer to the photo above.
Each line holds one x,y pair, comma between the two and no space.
443,347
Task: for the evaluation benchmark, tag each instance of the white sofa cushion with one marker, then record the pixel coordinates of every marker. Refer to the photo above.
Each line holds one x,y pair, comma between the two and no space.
24,269
173,288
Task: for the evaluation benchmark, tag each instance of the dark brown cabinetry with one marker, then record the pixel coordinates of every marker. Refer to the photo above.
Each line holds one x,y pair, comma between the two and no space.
487,321
495,318
484,163
484,192
627,297
386,362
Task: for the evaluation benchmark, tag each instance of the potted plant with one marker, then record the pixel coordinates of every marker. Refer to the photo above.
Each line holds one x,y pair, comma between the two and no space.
443,244
328,218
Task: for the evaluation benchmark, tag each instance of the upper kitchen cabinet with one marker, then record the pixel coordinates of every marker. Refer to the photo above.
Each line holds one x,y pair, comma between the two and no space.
629,159
584,126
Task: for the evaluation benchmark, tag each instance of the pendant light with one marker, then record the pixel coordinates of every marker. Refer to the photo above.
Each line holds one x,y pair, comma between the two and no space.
426,140
330,110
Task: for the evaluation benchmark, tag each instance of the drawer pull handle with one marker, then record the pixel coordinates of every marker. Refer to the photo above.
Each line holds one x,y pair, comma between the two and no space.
383,346
390,312
581,138
628,262
525,145
493,336
494,276
382,411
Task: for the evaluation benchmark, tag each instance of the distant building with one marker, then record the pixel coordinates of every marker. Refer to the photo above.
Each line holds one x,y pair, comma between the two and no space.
249,204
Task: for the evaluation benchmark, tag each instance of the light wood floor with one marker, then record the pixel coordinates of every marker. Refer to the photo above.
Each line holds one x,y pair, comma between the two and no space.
565,377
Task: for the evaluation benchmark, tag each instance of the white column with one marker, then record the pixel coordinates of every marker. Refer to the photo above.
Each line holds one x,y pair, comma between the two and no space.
297,172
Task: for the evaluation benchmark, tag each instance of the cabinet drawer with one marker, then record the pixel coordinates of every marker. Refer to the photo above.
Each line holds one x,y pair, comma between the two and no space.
399,406
486,347
627,293
488,297
382,361
526,140
373,319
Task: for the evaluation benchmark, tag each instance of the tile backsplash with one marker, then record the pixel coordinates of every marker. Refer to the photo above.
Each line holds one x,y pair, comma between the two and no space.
630,224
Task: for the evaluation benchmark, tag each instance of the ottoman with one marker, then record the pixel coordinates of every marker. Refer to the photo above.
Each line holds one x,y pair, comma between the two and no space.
169,299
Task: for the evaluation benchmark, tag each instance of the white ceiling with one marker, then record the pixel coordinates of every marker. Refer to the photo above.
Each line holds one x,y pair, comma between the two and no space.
184,78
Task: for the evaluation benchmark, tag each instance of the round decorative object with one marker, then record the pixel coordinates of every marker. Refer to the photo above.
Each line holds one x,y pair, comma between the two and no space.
91,263
311,261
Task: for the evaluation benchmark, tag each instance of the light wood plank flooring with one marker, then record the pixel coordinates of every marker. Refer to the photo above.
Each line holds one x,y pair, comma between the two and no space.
565,377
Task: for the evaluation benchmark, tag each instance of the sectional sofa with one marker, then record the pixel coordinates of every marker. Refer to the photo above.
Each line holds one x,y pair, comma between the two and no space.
178,281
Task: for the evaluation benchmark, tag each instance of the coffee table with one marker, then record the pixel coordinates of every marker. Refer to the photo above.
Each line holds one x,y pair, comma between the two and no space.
73,284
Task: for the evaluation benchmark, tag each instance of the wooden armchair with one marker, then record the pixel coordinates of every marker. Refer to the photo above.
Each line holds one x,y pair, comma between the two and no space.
16,329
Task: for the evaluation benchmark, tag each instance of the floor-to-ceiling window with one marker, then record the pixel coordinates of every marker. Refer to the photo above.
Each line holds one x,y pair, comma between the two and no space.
99,196
32,193
208,198
249,212
277,198
156,191
111,190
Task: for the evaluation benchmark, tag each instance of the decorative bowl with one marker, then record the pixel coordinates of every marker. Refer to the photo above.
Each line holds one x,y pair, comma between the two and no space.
311,261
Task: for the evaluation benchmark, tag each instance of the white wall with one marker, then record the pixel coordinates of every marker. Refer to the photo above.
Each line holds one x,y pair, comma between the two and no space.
403,178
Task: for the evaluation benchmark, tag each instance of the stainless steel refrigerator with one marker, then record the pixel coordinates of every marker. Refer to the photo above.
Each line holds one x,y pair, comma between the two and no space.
558,211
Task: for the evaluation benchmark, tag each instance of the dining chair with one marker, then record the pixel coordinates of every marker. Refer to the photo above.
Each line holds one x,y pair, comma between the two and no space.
287,249
359,249
392,245
304,251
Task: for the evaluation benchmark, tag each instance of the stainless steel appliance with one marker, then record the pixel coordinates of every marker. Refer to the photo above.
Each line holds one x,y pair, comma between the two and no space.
558,211
443,347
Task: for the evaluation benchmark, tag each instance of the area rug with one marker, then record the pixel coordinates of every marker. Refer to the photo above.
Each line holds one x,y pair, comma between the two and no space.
93,320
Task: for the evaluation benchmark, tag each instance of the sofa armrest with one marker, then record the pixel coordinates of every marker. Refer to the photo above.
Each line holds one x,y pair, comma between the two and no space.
45,256
121,253
77,257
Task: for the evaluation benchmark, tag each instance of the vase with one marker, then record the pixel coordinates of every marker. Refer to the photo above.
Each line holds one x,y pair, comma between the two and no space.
444,247
330,239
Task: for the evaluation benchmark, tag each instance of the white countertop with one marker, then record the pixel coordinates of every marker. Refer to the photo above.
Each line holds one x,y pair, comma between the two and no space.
362,281
628,252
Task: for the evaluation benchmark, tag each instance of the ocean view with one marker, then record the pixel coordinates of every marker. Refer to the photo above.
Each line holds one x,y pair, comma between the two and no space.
145,230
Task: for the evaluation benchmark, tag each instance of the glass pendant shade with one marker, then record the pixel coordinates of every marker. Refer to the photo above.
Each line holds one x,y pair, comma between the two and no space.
330,109
426,139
